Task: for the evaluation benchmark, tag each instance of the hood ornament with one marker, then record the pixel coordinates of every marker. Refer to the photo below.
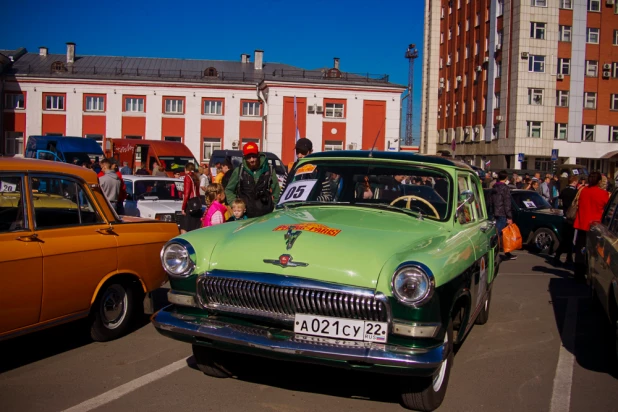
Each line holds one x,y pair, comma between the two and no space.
285,261
291,236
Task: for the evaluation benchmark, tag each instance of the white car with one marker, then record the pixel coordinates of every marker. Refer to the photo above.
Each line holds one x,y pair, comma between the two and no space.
154,197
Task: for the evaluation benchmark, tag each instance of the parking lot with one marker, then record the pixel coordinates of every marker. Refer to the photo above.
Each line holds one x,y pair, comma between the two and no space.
545,348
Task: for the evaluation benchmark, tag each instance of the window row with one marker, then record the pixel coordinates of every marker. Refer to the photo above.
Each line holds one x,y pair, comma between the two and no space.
561,130
536,64
536,98
137,104
210,144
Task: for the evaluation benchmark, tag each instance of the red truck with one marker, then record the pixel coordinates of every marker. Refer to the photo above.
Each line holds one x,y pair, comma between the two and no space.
172,155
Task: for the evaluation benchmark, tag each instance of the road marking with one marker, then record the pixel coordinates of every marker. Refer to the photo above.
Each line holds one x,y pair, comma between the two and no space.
128,387
561,393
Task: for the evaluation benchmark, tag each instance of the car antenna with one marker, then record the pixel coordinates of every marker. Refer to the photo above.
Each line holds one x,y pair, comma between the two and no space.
375,141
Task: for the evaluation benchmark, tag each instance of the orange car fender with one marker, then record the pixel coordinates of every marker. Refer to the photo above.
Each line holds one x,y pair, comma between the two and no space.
115,273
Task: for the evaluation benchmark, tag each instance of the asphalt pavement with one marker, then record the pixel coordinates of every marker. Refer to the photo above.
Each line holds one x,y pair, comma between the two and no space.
545,348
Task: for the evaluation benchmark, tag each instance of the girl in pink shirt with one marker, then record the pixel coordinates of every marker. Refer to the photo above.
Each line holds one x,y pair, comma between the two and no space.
215,215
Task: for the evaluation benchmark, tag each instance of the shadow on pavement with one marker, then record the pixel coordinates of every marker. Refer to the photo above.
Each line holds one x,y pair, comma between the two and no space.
303,377
36,346
592,344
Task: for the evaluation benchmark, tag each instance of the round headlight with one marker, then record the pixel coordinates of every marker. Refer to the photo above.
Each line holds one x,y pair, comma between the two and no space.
411,285
164,218
177,259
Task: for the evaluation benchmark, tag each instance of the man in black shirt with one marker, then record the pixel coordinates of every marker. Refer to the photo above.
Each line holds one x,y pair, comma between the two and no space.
567,195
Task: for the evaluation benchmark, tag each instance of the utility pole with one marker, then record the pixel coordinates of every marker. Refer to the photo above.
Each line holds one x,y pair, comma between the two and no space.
411,55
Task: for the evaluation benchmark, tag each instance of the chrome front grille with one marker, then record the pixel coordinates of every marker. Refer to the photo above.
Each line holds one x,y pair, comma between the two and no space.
282,302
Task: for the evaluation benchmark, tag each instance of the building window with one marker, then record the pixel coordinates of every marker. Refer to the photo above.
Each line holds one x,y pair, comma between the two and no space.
251,108
613,102
134,104
13,143
210,72
333,145
539,3
590,100
592,35
450,34
476,47
441,37
334,110
458,28
537,30
173,139
497,100
592,68
615,38
498,67
536,63
210,145
613,134
467,51
14,101
213,107
477,19
566,4
560,132
134,137
499,8
95,104
562,98
474,105
534,129
535,97
54,102
468,24
463,109
594,5
564,66
588,133
174,106
615,70
58,67
565,33
448,108
496,131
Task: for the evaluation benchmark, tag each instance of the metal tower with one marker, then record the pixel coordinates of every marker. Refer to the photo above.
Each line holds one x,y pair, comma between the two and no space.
411,55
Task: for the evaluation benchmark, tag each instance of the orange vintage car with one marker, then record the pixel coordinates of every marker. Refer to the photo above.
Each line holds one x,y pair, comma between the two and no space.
65,253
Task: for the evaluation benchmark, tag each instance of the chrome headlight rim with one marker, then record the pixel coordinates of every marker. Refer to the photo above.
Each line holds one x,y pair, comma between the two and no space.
165,217
424,270
188,271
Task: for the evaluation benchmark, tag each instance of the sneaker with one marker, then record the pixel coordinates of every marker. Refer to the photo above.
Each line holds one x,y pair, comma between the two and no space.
509,257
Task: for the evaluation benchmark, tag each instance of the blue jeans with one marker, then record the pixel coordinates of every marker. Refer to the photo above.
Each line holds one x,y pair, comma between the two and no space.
500,225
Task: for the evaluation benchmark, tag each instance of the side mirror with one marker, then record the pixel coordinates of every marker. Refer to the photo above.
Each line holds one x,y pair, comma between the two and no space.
465,197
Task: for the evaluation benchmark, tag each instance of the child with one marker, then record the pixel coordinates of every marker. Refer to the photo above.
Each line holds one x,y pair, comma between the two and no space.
238,210
215,215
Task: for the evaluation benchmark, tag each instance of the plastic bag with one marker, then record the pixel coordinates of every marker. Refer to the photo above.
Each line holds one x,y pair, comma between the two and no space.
511,238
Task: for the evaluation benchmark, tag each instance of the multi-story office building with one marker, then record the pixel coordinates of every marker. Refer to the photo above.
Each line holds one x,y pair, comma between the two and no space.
510,77
207,104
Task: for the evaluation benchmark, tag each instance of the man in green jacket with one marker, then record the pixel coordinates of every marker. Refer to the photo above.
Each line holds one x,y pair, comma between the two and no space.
254,182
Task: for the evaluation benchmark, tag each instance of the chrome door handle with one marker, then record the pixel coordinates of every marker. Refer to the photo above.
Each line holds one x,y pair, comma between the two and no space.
488,225
30,238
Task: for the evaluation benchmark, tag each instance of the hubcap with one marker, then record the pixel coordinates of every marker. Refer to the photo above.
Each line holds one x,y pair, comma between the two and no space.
438,380
543,241
113,306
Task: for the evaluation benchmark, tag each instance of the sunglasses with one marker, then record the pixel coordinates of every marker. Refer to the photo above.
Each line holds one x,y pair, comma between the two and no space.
251,156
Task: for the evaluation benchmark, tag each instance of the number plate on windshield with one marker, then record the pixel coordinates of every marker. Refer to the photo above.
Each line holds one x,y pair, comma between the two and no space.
364,330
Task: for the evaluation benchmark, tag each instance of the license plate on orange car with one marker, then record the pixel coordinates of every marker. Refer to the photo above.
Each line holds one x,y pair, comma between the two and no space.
363,330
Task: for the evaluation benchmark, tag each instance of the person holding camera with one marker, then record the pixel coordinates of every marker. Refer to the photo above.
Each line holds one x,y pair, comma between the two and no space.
255,182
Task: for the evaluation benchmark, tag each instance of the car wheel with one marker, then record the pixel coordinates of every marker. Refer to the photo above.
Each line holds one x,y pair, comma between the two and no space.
212,362
483,316
427,394
545,240
113,311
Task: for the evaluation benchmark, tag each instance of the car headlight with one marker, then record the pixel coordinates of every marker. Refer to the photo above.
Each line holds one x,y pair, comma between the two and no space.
178,258
412,285
165,217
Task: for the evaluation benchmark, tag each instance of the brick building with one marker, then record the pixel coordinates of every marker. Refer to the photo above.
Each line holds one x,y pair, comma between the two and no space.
504,77
207,104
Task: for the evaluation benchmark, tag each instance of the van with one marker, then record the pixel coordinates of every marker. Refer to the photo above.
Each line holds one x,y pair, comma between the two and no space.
172,155
218,156
66,149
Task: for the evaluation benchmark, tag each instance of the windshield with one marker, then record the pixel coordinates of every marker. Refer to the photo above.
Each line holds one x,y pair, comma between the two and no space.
161,189
416,190
177,163
529,200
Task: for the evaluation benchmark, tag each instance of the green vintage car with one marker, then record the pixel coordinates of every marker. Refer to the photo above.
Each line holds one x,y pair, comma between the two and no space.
356,268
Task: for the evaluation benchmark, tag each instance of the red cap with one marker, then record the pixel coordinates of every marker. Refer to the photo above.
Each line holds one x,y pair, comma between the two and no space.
250,148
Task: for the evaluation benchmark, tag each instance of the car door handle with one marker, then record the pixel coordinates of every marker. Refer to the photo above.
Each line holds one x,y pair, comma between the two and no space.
30,238
107,231
488,225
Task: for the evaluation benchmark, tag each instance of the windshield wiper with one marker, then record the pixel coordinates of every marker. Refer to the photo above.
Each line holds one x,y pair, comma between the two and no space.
408,212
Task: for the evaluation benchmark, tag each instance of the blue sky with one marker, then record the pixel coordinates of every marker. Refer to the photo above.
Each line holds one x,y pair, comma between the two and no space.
368,36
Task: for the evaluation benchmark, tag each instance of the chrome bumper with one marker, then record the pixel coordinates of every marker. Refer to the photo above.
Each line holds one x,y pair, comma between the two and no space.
271,342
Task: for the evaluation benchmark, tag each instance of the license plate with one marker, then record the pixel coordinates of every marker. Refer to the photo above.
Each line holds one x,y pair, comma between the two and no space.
363,330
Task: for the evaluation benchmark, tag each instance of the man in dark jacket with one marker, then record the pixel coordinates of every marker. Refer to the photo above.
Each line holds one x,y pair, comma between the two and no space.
501,203
254,182
303,148
567,195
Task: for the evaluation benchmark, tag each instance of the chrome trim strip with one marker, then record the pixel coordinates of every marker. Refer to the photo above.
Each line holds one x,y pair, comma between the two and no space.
258,337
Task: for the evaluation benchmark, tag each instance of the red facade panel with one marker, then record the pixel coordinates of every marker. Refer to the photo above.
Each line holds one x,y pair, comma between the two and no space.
333,131
173,127
289,126
133,126
54,124
211,128
93,125
374,124
15,122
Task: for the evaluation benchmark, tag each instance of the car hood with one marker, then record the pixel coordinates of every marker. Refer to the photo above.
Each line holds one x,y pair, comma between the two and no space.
150,208
340,244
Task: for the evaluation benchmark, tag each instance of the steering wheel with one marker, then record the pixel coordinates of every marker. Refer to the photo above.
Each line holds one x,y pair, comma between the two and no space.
412,197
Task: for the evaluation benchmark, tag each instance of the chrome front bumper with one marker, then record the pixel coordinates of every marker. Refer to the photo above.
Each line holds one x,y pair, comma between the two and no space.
277,343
